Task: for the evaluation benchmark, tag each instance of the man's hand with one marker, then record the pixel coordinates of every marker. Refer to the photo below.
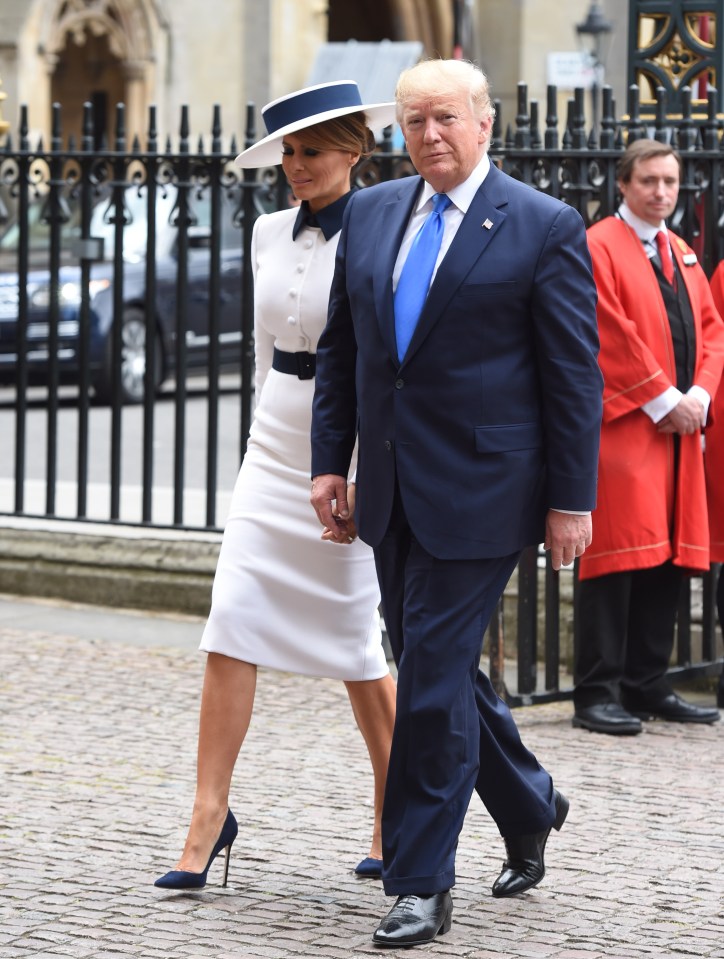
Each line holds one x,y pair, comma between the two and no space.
329,499
567,535
686,417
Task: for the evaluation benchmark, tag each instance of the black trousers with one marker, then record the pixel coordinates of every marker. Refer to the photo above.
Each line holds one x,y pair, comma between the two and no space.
626,635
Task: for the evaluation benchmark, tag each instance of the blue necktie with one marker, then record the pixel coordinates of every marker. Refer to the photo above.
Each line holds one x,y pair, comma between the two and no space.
417,273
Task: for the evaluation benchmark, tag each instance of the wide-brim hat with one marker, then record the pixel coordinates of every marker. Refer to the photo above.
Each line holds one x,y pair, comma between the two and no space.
307,107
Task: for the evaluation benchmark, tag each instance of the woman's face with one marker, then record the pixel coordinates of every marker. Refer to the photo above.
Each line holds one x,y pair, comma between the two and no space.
318,176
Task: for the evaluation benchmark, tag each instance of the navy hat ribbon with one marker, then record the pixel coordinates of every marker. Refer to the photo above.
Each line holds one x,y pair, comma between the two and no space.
310,103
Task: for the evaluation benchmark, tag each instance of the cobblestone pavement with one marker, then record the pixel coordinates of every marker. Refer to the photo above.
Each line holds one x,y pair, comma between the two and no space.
97,757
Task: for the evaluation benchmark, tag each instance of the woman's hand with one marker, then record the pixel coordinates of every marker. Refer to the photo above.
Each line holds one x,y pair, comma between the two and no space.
350,527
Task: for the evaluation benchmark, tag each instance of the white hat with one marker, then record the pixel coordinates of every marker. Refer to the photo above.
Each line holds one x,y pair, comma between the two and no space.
305,108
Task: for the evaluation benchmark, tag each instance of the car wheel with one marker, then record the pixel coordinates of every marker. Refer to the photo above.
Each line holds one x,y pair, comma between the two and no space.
133,360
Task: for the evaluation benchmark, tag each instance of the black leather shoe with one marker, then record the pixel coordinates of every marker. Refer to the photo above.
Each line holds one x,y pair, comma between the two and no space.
414,920
606,718
524,867
675,710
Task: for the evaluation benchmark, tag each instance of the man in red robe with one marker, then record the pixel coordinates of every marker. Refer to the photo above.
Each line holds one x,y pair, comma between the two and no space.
662,352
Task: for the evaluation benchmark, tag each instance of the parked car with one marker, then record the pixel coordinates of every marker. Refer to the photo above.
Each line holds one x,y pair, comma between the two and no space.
101,290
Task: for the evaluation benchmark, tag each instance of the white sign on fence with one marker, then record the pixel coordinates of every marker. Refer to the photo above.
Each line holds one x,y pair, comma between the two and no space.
570,69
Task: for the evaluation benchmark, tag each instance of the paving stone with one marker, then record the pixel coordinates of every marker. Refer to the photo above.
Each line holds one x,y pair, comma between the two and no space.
97,761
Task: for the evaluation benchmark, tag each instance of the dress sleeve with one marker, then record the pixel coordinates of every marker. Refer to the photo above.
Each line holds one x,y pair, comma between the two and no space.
263,340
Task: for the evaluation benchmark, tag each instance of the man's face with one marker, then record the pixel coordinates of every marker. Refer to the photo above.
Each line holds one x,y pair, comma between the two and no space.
653,189
445,141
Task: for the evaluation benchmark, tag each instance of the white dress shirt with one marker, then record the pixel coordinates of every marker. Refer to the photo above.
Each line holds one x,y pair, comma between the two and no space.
461,197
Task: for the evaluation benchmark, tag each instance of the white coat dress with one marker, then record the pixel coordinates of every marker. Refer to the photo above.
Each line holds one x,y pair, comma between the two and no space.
282,598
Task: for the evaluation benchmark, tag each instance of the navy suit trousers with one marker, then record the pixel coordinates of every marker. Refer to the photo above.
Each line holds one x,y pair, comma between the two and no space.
452,734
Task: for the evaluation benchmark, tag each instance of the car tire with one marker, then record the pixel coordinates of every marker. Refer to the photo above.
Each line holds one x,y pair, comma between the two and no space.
133,360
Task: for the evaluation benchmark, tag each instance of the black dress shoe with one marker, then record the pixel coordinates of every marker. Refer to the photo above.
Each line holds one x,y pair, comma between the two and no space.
524,867
414,920
674,709
606,718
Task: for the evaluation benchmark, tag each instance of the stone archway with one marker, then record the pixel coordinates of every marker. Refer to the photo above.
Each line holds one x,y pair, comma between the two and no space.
430,21
99,51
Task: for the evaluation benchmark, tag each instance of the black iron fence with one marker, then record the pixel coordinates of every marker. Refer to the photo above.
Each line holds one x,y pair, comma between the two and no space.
126,333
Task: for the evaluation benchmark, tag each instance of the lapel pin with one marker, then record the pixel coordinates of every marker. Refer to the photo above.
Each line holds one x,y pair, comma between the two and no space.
487,224
689,259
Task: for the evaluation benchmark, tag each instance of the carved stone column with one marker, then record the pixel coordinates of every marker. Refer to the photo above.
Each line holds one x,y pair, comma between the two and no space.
135,72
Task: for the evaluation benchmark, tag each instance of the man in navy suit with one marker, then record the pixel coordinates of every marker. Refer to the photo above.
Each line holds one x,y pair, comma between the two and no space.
476,439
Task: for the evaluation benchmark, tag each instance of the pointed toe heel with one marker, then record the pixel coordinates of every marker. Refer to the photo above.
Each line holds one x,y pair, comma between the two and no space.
181,879
369,868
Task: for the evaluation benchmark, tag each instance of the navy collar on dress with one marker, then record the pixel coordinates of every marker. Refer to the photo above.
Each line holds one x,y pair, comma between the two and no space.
328,219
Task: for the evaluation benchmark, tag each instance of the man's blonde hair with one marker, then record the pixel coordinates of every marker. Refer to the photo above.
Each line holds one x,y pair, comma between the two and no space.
440,78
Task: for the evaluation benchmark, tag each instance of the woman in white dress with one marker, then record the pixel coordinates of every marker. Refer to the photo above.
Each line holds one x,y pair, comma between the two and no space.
283,598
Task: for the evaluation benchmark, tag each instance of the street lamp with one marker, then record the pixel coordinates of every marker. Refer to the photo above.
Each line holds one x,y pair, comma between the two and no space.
593,30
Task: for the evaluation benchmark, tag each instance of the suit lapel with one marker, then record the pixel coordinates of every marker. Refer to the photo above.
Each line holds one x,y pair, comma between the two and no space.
484,218
388,238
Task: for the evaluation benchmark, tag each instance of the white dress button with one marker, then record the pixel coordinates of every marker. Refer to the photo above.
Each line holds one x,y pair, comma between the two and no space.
292,320
308,244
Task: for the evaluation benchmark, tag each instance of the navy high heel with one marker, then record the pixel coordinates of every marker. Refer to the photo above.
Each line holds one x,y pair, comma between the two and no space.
180,879
370,868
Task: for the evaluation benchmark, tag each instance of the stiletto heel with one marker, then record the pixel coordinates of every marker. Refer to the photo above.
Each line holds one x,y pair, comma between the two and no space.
227,858
181,879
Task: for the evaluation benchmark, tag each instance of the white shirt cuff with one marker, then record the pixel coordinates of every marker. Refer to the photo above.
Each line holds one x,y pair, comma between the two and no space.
700,394
662,404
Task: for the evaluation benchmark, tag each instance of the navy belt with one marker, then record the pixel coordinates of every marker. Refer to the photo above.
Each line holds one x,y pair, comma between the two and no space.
303,365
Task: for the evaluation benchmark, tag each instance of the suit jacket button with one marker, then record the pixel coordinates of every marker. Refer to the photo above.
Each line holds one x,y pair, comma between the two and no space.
399,384
388,445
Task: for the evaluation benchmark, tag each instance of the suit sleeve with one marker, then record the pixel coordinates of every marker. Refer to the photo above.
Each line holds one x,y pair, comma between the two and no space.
564,316
334,410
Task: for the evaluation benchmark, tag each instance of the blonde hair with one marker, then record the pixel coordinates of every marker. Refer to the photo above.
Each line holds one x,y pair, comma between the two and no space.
349,133
440,78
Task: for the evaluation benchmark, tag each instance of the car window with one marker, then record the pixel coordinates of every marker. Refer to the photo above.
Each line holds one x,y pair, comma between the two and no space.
39,230
135,231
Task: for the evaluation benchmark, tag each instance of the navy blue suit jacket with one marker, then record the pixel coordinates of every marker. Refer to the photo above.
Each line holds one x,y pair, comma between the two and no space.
493,416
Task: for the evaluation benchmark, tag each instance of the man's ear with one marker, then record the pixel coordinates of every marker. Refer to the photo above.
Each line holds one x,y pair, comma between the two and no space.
486,129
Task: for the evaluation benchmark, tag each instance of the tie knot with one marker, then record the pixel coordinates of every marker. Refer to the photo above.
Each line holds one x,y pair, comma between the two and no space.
440,202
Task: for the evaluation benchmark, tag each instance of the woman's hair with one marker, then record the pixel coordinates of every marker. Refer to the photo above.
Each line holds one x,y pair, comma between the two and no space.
638,152
343,133
440,78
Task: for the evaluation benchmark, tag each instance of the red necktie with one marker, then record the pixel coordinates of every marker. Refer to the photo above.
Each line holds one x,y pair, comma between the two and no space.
667,264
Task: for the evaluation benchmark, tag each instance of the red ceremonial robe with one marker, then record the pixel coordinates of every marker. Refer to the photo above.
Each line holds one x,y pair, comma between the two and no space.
645,515
714,455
